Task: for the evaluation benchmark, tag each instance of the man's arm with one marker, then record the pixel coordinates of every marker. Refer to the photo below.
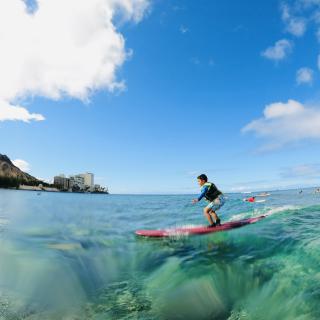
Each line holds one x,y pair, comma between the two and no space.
202,194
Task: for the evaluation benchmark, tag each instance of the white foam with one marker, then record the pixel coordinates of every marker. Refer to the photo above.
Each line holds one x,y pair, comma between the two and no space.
239,216
280,209
181,230
266,211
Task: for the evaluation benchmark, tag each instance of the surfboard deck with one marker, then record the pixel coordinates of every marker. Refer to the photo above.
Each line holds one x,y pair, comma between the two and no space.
197,230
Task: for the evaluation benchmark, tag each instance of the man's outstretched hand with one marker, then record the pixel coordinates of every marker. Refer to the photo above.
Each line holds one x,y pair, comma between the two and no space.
195,201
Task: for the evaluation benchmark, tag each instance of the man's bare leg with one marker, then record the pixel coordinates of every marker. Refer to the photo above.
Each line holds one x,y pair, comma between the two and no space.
214,216
207,214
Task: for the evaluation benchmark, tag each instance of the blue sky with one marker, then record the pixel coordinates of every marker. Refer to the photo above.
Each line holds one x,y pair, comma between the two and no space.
195,77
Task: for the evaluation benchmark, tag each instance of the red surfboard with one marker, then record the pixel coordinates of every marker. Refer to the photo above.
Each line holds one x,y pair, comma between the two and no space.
197,230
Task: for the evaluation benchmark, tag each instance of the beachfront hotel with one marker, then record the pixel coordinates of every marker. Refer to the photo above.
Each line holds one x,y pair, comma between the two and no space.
88,179
83,182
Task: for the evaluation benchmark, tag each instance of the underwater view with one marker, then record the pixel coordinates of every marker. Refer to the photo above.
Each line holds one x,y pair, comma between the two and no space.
75,256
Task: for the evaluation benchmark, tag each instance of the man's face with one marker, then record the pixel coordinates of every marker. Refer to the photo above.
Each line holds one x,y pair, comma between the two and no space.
201,182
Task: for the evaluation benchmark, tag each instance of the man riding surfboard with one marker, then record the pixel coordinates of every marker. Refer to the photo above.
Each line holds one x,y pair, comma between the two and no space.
215,198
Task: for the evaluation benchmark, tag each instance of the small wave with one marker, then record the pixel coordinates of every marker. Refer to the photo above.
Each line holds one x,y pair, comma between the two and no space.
281,209
265,211
240,216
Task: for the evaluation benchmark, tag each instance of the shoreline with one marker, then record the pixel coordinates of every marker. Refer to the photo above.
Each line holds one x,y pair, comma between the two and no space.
47,189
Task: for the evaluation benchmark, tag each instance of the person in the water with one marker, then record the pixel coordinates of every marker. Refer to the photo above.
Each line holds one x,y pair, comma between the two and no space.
215,198
251,199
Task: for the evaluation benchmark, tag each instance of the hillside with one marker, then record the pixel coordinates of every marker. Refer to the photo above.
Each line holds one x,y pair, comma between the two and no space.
9,172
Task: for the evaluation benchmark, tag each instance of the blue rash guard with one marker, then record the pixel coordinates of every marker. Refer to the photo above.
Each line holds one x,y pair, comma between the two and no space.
203,192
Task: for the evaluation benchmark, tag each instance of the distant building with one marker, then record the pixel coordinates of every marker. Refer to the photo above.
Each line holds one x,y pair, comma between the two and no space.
88,180
83,182
76,182
61,182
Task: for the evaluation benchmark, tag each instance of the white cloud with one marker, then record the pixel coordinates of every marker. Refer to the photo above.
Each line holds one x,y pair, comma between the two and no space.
61,48
302,170
11,112
285,123
279,51
304,75
183,29
297,14
22,165
278,109
294,25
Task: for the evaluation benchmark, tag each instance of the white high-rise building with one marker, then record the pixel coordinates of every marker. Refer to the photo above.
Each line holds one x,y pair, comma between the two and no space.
88,179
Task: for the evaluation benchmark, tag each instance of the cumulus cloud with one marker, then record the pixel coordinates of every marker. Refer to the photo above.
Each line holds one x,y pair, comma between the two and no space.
297,14
10,112
304,75
302,170
279,51
61,48
22,165
285,123
294,25
279,110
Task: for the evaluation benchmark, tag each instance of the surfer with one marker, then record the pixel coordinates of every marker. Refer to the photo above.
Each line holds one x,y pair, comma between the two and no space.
215,198
251,199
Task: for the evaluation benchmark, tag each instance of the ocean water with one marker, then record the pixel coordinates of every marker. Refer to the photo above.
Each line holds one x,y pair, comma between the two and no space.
75,256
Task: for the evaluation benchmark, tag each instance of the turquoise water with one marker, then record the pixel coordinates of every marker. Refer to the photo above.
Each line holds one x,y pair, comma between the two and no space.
75,256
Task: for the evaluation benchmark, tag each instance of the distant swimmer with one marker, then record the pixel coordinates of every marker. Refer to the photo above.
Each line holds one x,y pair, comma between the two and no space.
251,199
215,198
300,191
